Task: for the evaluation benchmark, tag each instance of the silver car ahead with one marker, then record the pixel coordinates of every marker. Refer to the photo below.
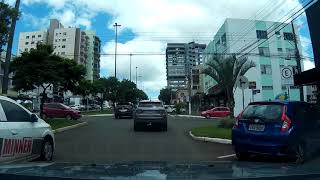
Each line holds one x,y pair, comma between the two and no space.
150,114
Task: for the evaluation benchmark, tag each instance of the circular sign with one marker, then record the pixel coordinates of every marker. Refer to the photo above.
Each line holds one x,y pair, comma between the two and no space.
243,82
286,73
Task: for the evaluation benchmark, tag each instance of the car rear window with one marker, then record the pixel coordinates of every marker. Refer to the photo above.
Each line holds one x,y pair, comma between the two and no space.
150,104
268,113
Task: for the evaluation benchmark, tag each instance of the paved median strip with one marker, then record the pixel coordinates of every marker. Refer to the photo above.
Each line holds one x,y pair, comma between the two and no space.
207,139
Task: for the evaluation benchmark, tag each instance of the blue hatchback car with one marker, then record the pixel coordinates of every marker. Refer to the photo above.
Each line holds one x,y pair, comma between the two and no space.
277,128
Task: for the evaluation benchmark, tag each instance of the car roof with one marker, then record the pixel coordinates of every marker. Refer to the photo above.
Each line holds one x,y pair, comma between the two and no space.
278,102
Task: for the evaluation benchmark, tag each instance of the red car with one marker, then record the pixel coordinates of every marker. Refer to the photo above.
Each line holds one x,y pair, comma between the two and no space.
216,112
58,110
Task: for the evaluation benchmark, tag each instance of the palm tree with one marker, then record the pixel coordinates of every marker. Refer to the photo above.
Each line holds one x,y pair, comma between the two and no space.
225,70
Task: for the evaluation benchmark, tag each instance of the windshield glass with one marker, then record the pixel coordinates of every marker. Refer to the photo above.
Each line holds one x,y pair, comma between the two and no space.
150,104
190,81
264,112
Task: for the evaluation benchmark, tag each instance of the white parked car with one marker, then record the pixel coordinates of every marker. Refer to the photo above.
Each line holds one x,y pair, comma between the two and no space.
23,135
76,107
170,108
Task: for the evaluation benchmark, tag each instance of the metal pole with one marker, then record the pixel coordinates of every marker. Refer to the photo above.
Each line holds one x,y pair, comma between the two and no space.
116,25
298,59
242,98
189,90
137,77
5,81
130,65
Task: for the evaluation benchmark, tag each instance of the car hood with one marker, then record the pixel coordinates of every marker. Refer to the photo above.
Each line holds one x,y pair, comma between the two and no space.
161,170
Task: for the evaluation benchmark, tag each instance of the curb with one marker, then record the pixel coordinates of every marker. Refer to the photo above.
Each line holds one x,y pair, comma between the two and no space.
69,127
207,139
98,115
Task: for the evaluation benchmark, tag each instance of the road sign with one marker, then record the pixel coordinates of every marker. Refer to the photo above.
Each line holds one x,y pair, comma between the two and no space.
256,91
287,75
252,85
243,82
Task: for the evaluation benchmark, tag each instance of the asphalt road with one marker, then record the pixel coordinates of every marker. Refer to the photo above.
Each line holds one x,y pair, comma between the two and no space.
106,139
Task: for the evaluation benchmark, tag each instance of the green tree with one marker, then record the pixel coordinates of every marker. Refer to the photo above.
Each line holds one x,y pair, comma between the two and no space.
225,71
7,13
84,88
166,95
127,91
112,90
141,95
40,68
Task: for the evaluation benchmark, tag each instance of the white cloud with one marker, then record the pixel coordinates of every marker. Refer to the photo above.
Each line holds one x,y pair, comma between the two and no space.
307,64
161,21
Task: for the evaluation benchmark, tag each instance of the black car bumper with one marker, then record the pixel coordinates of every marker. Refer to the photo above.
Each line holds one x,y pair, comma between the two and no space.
122,114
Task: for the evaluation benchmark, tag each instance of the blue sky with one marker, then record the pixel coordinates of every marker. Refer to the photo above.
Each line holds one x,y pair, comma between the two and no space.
146,27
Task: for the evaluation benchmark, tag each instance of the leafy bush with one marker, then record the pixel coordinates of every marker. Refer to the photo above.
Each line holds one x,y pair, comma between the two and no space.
179,107
226,123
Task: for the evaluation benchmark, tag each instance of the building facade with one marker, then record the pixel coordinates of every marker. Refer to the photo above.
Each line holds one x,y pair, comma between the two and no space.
274,49
68,42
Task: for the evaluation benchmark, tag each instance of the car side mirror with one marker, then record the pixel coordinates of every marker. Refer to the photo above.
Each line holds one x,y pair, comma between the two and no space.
33,118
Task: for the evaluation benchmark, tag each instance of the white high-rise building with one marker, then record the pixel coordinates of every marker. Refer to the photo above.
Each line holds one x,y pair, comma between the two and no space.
29,40
273,49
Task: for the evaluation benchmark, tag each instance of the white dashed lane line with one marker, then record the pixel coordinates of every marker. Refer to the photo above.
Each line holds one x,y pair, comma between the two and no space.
226,156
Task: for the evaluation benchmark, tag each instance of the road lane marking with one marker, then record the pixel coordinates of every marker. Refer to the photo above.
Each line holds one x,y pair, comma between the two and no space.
226,156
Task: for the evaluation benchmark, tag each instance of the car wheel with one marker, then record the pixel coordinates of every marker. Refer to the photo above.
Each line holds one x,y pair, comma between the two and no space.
242,156
69,117
300,153
135,127
165,127
47,150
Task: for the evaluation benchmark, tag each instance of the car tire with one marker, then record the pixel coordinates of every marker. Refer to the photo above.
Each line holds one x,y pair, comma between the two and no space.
69,117
241,156
47,150
300,153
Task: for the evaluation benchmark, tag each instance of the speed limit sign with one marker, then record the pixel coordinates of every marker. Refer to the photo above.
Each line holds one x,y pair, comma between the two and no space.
286,72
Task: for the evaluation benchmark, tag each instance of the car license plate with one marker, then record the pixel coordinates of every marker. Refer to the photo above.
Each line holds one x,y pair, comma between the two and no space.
256,127
123,110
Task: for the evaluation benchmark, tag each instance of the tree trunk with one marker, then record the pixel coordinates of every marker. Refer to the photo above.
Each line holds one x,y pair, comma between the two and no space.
230,100
43,100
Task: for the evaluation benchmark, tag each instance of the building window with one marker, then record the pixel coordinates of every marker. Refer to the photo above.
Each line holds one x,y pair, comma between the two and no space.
26,49
56,34
63,40
64,33
39,35
283,87
27,37
33,36
290,52
32,42
224,39
63,46
277,32
288,36
267,87
55,47
294,87
31,49
264,51
262,34
280,50
26,43
266,69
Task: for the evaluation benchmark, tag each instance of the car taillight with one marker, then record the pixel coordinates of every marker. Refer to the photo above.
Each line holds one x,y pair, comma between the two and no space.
286,121
236,123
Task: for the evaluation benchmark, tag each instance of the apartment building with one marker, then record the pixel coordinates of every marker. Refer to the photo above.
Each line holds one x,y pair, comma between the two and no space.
68,42
274,49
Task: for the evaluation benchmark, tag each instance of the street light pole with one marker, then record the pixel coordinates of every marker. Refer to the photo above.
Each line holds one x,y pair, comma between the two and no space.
130,64
5,82
298,59
116,25
137,77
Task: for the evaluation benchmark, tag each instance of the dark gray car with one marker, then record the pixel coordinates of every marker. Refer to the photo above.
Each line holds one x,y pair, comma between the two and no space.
150,114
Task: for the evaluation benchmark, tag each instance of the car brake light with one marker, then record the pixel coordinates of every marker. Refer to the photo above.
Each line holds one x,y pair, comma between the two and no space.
286,121
236,123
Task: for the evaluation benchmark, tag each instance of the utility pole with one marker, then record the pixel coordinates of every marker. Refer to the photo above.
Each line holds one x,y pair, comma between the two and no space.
5,81
116,25
137,77
130,65
189,92
298,59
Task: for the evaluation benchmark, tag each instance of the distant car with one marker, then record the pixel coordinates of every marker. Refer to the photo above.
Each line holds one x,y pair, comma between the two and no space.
149,114
288,128
123,110
23,135
170,108
216,112
76,107
58,110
